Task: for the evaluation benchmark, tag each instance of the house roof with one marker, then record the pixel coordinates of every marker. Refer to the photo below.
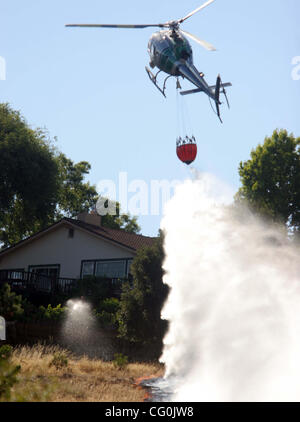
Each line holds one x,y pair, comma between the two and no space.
130,241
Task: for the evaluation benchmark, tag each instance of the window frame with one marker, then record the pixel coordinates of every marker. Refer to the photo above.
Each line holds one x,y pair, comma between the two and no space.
50,266
95,261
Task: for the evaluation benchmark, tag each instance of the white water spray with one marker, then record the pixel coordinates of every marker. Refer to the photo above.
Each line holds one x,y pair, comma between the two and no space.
234,305
81,334
78,326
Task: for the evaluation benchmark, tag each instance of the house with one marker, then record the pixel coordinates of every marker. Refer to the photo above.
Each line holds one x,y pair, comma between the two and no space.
73,249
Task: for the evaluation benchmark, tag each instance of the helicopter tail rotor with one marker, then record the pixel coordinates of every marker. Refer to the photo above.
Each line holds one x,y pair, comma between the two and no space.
220,89
217,96
225,95
223,90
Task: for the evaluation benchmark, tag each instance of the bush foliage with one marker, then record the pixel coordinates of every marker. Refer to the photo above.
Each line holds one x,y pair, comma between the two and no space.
106,314
59,360
141,303
120,361
11,305
8,373
95,289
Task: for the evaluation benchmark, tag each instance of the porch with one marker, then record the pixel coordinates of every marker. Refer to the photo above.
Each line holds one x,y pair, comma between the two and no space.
23,281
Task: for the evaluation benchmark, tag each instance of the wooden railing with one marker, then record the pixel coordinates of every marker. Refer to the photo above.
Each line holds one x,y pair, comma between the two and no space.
22,280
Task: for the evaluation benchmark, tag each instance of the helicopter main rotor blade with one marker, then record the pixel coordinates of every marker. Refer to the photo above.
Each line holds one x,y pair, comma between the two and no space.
204,44
87,25
196,10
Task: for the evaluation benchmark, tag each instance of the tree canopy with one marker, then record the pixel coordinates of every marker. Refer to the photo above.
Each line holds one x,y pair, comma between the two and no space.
271,179
38,184
74,194
120,220
28,177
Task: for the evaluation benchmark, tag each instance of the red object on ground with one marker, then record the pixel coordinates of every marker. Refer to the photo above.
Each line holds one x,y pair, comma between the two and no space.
187,153
138,384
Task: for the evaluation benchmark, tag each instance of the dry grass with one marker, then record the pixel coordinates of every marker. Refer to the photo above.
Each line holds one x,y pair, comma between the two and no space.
82,380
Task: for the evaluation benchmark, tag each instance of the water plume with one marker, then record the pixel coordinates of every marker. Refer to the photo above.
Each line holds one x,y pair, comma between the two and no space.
81,334
234,305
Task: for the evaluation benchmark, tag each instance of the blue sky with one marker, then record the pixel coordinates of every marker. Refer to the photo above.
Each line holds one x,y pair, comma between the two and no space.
89,88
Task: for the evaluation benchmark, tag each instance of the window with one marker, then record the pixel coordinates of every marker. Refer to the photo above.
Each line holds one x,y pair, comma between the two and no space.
111,269
71,233
88,269
48,270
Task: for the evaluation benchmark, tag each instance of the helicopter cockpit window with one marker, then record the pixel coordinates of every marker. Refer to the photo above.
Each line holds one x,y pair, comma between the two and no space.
185,55
153,50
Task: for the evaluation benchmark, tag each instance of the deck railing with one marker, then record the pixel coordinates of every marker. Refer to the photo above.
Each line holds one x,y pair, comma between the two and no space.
23,280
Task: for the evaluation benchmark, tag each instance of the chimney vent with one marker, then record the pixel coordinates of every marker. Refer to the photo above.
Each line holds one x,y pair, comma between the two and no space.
94,219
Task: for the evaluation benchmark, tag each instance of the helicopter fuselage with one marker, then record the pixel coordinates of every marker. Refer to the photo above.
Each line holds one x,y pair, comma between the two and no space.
167,49
171,53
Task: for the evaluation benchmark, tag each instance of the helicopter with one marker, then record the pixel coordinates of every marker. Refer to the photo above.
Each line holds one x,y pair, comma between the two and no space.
171,52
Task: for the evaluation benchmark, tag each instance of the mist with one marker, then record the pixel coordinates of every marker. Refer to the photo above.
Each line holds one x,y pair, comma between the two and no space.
234,304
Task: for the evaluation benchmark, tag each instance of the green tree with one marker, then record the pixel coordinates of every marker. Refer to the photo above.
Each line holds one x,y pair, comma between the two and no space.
74,195
28,177
39,185
271,180
139,315
119,221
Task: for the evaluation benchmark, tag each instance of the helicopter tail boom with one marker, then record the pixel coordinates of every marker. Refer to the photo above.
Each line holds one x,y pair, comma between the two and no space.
213,92
190,72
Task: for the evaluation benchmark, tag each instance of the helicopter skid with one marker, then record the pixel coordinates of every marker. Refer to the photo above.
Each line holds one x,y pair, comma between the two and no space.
153,80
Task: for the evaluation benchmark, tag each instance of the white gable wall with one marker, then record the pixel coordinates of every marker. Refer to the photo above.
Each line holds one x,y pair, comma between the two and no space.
56,247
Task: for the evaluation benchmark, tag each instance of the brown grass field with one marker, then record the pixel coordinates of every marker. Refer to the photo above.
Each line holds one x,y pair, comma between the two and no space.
78,380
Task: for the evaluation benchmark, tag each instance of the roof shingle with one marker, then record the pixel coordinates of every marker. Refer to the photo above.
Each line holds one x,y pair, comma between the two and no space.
130,240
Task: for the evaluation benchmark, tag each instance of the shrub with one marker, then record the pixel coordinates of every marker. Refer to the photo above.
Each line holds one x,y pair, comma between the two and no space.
95,288
5,352
51,313
30,311
107,313
41,313
11,305
8,373
120,361
105,319
110,305
59,360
